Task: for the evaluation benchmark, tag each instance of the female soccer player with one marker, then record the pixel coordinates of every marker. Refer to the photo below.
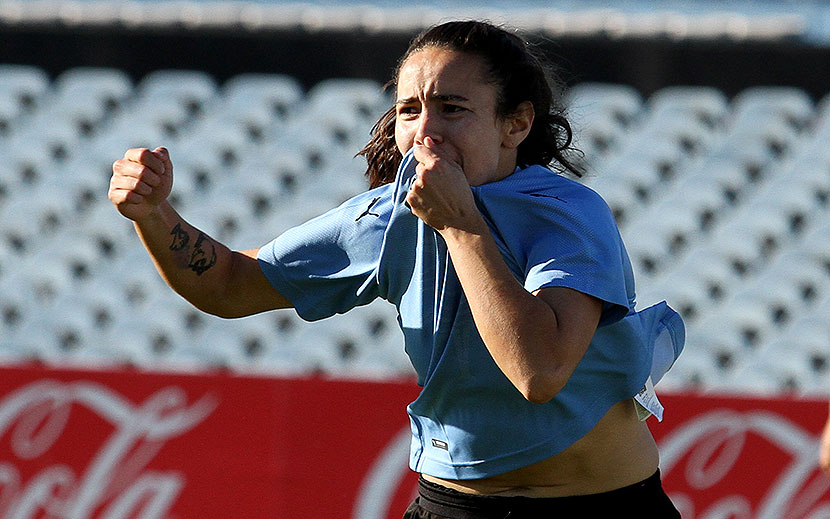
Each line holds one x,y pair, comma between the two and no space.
513,287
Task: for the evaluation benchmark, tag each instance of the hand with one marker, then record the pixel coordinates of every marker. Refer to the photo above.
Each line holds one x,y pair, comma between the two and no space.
141,181
441,195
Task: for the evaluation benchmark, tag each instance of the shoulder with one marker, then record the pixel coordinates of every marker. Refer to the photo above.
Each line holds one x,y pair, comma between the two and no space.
544,195
370,206
541,182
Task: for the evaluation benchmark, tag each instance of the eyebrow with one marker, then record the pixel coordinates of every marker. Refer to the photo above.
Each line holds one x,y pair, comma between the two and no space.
440,97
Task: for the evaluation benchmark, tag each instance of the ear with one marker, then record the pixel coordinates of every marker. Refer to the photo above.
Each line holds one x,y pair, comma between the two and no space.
517,125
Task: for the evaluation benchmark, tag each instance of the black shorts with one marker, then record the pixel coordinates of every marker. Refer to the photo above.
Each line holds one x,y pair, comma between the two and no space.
644,500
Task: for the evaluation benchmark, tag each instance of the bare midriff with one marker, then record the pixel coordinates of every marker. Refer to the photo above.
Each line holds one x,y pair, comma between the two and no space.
619,451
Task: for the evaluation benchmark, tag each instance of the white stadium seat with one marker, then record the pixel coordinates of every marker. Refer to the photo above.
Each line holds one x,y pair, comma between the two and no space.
587,101
705,104
192,89
25,84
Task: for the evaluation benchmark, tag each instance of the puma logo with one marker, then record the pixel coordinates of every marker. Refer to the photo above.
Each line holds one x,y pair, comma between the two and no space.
368,211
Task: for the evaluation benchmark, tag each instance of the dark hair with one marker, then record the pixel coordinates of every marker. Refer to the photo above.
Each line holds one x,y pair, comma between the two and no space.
518,73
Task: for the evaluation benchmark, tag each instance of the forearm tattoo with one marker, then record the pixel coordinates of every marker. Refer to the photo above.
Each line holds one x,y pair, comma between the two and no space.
180,238
201,257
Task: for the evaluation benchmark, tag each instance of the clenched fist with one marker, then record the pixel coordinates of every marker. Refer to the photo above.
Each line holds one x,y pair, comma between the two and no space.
440,195
141,182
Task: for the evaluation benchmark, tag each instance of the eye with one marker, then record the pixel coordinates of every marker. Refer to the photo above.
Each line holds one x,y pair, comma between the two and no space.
408,110
452,109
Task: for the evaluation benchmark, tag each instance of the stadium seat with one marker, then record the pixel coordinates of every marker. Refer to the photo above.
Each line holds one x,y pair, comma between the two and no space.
729,175
25,84
127,130
13,352
364,97
796,273
588,101
148,344
704,266
816,242
107,231
707,105
31,224
642,174
85,96
790,105
754,316
619,195
56,138
678,225
192,89
343,110
689,299
797,361
759,377
10,110
167,115
703,202
649,252
798,200
343,347
813,171
261,101
61,336
696,369
222,218
679,131
598,138
746,154
745,245
17,303
807,337
820,310
132,277
218,138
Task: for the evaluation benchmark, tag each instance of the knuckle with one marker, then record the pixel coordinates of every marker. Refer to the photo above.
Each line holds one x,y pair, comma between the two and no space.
142,173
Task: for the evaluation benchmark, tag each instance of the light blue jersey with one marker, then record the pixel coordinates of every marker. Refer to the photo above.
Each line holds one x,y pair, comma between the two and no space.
469,421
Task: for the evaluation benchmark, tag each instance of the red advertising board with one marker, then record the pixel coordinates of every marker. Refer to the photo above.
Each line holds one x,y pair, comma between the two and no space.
743,458
127,445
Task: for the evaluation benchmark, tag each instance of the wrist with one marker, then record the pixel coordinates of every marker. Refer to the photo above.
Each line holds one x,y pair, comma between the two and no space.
463,229
155,215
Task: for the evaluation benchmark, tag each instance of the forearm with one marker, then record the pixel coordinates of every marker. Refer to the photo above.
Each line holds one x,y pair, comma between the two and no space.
520,330
190,262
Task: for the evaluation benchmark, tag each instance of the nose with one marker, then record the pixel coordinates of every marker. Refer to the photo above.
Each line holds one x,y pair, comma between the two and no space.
428,126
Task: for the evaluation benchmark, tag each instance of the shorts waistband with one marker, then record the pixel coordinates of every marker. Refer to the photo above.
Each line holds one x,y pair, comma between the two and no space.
440,500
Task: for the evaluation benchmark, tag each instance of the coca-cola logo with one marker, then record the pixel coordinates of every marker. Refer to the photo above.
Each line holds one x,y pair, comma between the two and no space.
115,483
710,452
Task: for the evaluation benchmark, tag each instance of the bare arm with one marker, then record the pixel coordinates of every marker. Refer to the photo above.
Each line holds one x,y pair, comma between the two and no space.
536,339
210,276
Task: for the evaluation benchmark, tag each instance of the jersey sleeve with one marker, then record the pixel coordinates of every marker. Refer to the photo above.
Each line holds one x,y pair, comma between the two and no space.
328,264
575,243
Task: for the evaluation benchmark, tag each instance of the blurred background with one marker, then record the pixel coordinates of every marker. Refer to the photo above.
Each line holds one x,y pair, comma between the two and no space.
704,124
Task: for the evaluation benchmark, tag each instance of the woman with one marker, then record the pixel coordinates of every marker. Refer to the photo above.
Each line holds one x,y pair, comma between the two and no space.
514,291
